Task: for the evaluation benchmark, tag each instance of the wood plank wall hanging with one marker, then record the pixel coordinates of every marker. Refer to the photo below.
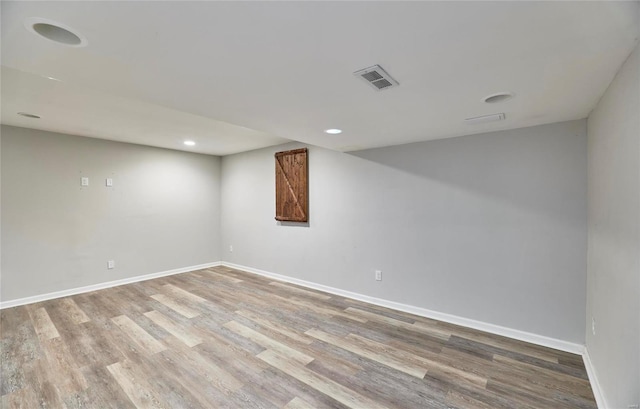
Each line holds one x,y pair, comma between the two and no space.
292,186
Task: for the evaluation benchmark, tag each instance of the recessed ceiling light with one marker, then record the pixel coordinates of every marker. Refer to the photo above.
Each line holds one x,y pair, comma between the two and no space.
333,131
28,115
56,32
498,97
189,143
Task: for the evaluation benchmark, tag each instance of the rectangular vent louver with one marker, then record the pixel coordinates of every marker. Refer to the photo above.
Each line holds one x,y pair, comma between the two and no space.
486,118
377,77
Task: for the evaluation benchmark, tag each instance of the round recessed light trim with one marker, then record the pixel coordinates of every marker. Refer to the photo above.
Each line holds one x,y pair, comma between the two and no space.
55,32
498,97
28,115
333,131
189,143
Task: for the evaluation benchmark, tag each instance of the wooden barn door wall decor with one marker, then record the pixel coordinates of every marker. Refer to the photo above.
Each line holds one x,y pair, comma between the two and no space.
292,186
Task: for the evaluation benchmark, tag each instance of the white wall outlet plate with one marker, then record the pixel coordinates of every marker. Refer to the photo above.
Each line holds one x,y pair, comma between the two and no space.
84,181
109,182
378,275
111,264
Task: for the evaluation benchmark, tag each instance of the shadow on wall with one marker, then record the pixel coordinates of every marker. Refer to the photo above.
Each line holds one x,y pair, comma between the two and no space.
293,224
541,168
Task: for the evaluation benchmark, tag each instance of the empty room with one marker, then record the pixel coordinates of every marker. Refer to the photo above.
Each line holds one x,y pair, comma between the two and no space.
320,204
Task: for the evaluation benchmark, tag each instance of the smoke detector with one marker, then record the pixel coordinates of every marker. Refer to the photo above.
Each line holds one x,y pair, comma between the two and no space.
376,77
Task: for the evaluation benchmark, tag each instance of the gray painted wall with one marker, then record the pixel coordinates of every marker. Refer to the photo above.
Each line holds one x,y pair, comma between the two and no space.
162,213
490,227
613,295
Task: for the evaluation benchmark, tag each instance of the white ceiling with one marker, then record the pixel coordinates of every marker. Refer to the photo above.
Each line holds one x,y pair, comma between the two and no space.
236,76
68,108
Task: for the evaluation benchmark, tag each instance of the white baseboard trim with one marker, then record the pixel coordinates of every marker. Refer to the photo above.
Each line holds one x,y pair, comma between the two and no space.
423,312
100,286
593,379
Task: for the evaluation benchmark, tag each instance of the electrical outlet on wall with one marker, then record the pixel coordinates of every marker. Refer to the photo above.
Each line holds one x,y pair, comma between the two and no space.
111,264
593,325
378,275
231,248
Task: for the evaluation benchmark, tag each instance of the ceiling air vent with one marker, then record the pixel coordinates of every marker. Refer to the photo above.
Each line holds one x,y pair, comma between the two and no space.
485,118
378,78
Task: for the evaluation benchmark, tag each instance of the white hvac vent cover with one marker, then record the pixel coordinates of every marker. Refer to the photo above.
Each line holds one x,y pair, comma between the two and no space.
377,77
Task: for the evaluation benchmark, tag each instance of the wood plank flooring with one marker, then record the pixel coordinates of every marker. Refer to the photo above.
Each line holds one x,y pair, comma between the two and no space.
222,338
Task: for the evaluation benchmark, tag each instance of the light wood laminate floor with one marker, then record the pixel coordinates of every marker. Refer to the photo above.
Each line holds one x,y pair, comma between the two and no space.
222,338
